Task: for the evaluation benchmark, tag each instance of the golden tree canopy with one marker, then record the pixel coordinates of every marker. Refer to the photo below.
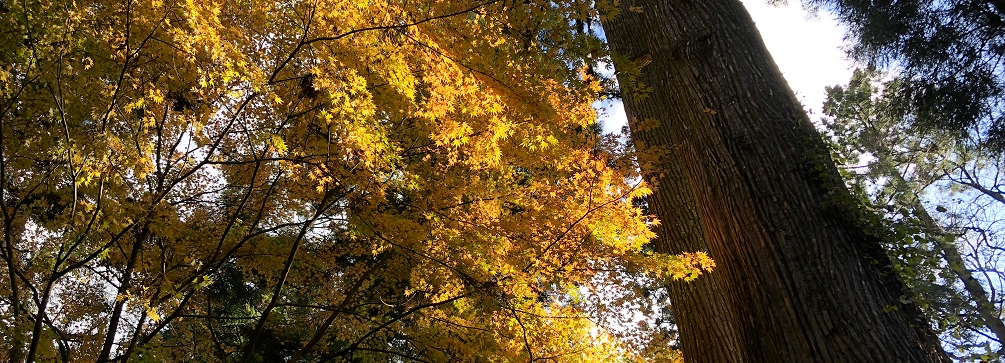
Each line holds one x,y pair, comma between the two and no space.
318,180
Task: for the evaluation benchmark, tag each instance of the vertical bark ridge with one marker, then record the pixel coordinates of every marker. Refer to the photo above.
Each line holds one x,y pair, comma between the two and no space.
704,320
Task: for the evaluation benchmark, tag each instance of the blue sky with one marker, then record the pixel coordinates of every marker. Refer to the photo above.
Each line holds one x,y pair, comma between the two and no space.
807,48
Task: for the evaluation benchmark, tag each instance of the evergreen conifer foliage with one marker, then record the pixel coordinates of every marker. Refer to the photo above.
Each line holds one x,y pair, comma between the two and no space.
950,54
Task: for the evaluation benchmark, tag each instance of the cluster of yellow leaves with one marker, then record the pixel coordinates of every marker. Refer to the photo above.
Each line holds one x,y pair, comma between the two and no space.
323,179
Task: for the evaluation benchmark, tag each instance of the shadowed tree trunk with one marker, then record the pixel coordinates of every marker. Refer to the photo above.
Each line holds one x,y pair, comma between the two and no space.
801,278
699,308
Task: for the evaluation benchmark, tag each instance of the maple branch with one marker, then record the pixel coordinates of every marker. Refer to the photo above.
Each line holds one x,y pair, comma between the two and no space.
355,345
8,251
207,160
120,297
402,26
114,240
132,341
61,110
9,257
12,260
164,321
216,263
573,225
523,329
217,317
501,231
214,147
40,316
465,66
323,206
536,315
391,352
237,211
448,322
106,350
60,259
55,276
130,55
305,41
463,275
345,301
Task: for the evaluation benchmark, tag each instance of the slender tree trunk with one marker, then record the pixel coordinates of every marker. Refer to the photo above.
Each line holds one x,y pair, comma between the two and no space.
12,259
125,283
985,307
988,311
800,275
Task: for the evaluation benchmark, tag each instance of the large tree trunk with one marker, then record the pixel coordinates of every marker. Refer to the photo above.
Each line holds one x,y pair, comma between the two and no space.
801,277
699,307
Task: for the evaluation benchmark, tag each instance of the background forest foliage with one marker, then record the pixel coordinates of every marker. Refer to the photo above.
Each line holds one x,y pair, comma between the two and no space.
313,180
940,201
919,132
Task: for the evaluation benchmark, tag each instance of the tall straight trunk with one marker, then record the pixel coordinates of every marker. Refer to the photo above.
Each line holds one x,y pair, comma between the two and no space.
699,307
705,321
799,274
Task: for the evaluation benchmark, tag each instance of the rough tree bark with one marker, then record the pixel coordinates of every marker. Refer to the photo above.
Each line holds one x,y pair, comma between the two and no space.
699,307
801,278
